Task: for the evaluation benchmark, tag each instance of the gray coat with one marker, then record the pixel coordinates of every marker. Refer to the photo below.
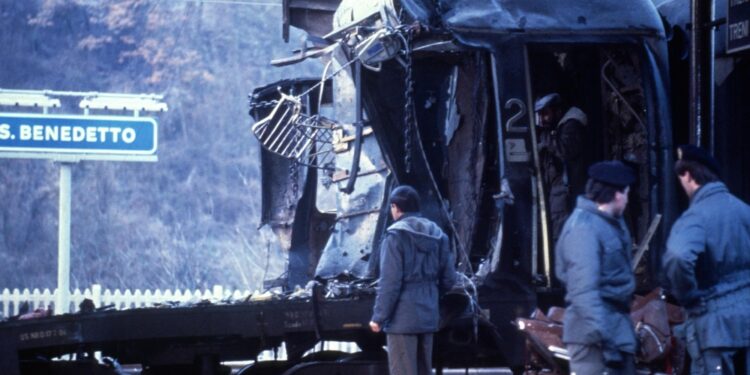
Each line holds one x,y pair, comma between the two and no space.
593,261
707,266
416,268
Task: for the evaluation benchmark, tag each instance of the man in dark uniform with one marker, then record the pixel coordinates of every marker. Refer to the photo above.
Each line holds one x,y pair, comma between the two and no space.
593,261
416,268
560,145
707,266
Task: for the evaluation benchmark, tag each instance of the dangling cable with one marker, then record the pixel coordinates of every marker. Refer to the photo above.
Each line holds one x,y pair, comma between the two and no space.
412,128
408,102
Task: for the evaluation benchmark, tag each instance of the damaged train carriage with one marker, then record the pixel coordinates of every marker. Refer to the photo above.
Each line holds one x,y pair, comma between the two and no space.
438,95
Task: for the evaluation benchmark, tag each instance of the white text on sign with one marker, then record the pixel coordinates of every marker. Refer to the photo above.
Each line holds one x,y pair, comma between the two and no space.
69,133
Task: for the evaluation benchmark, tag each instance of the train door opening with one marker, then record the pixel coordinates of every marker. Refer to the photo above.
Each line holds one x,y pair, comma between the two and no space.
602,88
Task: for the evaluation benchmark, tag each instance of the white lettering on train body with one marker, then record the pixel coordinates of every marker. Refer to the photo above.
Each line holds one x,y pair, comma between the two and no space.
739,30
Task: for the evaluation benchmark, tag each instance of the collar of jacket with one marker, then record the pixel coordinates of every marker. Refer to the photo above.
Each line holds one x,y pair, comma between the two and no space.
708,190
408,215
418,225
574,113
590,206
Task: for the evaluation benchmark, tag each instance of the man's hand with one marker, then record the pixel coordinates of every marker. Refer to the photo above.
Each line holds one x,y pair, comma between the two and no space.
375,327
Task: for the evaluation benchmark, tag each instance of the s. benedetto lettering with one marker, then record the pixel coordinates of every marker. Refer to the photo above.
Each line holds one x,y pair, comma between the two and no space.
66,133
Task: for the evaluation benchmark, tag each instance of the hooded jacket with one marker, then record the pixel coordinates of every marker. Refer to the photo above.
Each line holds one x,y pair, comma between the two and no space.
707,266
593,260
416,268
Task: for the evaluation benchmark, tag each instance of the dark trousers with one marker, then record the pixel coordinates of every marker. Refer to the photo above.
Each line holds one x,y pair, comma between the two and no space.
559,210
712,361
719,362
589,360
410,354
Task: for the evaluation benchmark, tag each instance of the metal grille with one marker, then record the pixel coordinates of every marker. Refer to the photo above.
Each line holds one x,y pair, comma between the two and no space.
290,133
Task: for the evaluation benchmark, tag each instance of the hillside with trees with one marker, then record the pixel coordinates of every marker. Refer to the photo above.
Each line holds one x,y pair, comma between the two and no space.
189,220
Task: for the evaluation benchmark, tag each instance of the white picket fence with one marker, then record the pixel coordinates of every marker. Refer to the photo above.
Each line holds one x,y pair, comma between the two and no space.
11,301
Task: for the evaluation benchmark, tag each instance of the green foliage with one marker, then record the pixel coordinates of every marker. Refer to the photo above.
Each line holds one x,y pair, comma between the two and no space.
189,220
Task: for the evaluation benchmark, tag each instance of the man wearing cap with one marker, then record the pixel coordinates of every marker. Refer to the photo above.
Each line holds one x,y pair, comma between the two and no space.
560,145
707,266
593,261
416,268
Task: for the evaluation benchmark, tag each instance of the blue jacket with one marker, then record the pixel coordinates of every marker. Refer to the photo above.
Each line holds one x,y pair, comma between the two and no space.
593,260
416,268
707,266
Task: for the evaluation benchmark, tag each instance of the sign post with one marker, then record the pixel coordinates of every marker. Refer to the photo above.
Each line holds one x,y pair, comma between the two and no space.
63,241
69,139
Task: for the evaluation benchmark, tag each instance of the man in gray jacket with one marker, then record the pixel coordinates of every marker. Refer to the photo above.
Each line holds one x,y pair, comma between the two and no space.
707,266
593,261
416,268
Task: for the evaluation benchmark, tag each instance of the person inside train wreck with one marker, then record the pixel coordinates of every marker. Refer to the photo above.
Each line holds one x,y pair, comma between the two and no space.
561,141
594,263
416,268
707,267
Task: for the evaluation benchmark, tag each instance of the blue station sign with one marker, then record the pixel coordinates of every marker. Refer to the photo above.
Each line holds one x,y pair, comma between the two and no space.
77,134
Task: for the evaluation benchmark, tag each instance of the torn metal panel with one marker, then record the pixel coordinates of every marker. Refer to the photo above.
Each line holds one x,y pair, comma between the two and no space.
534,16
350,246
289,184
453,120
359,216
467,151
282,183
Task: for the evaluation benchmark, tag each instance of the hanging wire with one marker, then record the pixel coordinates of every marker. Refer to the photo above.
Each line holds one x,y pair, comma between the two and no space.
408,103
412,128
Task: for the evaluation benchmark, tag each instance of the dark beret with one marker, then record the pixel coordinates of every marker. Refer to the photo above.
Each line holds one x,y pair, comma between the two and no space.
612,172
549,100
698,155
